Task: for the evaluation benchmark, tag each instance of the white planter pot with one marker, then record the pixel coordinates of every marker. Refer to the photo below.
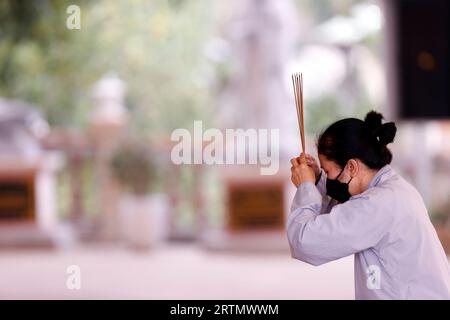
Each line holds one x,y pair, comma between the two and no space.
144,220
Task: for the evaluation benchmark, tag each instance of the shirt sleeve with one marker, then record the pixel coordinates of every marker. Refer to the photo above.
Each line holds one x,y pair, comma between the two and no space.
327,202
350,227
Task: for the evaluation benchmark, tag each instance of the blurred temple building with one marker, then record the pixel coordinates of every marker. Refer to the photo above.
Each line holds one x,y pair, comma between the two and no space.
28,212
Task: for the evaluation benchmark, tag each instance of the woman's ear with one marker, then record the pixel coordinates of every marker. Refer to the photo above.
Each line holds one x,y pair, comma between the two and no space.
353,167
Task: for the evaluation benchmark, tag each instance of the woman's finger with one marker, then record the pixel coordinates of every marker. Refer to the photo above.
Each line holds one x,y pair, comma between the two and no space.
302,159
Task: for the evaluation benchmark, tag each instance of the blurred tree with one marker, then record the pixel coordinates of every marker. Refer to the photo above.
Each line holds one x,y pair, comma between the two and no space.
30,33
155,46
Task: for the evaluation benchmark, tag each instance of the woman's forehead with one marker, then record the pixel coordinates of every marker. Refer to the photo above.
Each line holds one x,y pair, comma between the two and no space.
327,164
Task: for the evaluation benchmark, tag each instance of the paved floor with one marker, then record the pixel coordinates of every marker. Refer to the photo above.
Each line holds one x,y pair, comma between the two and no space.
174,272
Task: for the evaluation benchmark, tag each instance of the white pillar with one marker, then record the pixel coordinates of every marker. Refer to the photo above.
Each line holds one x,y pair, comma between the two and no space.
108,122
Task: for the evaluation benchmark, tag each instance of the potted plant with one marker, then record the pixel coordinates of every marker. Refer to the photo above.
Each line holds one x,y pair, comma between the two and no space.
142,213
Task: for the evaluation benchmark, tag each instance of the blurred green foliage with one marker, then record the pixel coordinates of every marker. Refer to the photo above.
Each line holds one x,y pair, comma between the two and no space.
133,165
154,46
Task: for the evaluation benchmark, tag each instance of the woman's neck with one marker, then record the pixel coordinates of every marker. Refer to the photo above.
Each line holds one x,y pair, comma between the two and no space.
367,177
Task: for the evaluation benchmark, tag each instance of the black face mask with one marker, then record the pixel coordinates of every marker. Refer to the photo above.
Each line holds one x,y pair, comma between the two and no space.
338,190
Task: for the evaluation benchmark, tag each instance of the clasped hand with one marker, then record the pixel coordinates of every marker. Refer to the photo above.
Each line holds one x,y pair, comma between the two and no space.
304,168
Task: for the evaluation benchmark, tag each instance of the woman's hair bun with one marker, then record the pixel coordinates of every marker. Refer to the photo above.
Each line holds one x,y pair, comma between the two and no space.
383,133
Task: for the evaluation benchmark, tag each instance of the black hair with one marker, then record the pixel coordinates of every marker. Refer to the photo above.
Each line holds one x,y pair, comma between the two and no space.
353,138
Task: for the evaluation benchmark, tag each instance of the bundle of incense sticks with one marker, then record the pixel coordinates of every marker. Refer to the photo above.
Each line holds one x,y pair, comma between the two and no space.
297,82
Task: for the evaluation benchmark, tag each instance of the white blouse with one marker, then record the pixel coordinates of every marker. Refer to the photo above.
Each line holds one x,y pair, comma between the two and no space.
397,252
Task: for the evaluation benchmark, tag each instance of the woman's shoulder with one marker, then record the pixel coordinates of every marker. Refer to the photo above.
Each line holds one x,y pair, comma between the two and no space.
389,188
395,194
